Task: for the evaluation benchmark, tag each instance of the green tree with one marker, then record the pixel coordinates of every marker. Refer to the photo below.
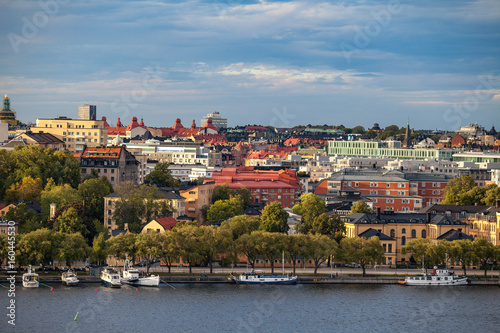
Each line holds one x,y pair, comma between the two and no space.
162,176
40,246
361,250
425,251
94,174
270,245
69,222
148,246
485,253
27,218
456,190
99,249
296,247
240,225
244,195
360,207
4,247
190,247
319,248
358,130
123,246
462,251
248,245
29,190
221,192
491,194
92,193
224,209
309,208
274,218
73,247
169,250
60,195
213,242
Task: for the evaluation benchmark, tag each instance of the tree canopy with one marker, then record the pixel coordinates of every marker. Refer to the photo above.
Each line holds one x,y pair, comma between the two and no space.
360,207
274,218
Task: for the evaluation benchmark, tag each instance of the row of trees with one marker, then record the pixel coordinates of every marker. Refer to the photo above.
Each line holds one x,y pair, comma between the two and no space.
466,252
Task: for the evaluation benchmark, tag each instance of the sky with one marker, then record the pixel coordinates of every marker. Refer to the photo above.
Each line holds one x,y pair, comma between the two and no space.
279,63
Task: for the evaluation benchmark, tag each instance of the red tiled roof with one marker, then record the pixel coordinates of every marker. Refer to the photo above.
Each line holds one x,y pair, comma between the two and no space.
255,128
167,222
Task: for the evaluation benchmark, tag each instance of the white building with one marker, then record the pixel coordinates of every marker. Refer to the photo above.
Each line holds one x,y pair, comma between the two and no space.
217,120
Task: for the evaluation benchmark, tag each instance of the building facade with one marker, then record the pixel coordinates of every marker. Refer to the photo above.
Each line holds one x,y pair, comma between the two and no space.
196,198
217,120
87,112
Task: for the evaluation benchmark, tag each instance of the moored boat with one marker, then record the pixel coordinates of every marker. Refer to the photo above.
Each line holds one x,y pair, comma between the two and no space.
258,277
132,276
439,277
110,278
70,278
31,279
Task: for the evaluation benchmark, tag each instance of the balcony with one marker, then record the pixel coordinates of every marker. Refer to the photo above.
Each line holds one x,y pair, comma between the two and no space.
80,136
80,142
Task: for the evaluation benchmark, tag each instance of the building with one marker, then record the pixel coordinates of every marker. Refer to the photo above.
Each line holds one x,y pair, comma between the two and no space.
44,140
196,198
160,225
173,199
402,228
380,149
265,186
76,134
116,163
388,243
7,115
87,112
217,120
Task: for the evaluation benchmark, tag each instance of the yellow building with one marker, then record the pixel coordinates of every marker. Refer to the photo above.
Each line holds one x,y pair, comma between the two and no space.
486,228
159,225
8,116
402,228
74,133
197,197
175,200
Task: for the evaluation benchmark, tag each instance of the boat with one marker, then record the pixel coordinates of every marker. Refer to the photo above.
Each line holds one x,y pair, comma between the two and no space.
258,277
70,278
132,276
31,279
439,277
110,278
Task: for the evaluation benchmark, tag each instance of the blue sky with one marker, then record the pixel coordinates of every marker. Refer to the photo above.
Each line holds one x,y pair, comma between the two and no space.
280,63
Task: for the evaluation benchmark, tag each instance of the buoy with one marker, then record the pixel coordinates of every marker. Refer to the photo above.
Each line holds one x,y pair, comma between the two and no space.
96,289
76,315
51,288
137,289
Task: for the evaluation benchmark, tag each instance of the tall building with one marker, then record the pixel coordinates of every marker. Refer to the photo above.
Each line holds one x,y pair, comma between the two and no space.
407,135
8,116
217,121
87,112
76,134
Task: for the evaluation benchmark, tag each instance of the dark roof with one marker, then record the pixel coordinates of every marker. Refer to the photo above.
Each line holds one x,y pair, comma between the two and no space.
453,234
393,217
372,232
43,138
115,233
33,205
457,209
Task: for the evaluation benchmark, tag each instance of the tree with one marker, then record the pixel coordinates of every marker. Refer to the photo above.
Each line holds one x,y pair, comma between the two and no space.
27,218
248,244
270,245
162,176
319,248
456,190
221,192
462,251
92,193
99,249
274,218
94,174
148,246
190,247
29,190
358,130
4,247
73,247
424,250
123,246
491,194
244,195
296,247
213,242
309,208
69,222
485,253
240,225
224,209
40,246
169,250
60,195
360,207
361,250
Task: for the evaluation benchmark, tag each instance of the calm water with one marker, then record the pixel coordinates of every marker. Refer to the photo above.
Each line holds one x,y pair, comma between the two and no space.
231,308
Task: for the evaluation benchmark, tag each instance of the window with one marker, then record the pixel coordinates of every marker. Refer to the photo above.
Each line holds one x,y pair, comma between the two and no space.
393,234
112,179
403,231
424,234
356,184
413,233
390,248
385,247
388,185
403,240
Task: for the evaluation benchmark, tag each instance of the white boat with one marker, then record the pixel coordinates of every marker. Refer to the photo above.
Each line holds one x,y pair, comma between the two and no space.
439,277
31,279
258,277
110,278
132,276
70,278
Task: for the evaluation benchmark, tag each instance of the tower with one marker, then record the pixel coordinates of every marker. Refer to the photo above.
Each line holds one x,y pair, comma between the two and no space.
87,112
407,142
6,114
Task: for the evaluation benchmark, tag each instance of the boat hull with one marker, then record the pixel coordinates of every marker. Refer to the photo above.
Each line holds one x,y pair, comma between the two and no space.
31,284
150,281
457,282
290,282
71,283
111,285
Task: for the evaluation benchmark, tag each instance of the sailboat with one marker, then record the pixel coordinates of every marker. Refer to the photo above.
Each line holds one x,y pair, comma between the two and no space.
258,277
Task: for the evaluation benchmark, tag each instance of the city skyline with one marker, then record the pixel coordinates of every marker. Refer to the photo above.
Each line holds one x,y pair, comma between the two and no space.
280,63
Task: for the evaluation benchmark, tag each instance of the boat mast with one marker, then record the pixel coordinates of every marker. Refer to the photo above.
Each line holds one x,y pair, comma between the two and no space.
283,263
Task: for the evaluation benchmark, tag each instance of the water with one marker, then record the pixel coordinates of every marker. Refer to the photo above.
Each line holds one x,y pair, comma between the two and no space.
231,308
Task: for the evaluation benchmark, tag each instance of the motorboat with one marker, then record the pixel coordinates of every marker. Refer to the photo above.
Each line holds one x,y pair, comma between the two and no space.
70,278
110,278
439,277
132,276
31,279
258,277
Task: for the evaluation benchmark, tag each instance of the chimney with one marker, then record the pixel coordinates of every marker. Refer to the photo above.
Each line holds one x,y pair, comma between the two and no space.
52,212
429,217
378,212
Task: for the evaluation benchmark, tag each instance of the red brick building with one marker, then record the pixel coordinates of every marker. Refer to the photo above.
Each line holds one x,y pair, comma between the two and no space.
265,186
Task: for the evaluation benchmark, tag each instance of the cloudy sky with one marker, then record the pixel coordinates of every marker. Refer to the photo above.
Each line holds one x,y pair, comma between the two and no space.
280,63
